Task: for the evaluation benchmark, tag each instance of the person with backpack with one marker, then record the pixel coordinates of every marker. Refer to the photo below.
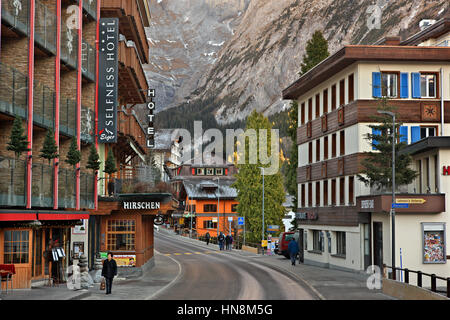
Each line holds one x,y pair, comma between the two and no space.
227,242
221,240
207,237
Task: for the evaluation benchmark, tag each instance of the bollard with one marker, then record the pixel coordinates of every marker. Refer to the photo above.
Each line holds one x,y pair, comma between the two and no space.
433,282
419,278
406,275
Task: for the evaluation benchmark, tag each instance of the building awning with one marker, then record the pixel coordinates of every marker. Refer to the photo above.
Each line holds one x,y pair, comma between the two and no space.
58,217
33,215
4,216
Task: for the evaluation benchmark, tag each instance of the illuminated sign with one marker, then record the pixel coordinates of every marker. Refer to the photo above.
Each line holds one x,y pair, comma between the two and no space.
132,205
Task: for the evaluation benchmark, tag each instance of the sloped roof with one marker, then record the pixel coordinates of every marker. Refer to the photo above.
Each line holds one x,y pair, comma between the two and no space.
209,189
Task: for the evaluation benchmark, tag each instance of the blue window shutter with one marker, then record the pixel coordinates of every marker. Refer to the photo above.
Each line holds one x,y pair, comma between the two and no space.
404,134
415,84
404,85
376,84
374,141
415,134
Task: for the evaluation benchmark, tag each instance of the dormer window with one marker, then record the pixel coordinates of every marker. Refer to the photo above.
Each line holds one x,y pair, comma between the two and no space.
210,171
219,171
200,171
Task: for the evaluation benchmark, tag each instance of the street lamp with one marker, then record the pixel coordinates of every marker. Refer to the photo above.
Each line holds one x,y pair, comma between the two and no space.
393,189
262,231
218,207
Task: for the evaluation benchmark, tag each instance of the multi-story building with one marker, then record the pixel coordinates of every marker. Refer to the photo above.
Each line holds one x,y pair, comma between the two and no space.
337,101
48,81
166,153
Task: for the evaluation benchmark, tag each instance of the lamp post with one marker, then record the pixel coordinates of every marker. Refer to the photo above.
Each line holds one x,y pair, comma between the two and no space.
218,207
393,189
262,231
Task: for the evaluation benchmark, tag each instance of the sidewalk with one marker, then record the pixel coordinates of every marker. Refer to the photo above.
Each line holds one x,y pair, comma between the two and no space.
328,284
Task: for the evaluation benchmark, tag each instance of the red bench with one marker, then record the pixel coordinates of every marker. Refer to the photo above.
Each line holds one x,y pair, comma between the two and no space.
6,273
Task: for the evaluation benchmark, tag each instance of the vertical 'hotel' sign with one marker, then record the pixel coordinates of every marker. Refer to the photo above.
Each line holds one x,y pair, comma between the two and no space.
108,80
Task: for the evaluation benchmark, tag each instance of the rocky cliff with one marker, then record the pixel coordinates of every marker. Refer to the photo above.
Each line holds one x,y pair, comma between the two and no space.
233,56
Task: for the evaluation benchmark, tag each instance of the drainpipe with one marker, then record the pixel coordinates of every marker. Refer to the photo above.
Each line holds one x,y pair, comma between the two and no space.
442,102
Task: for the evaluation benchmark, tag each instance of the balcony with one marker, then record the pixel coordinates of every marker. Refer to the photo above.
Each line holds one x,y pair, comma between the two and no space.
43,106
66,188
131,24
88,60
13,176
90,7
129,126
67,116
87,125
69,47
13,91
42,186
45,28
132,81
15,15
87,196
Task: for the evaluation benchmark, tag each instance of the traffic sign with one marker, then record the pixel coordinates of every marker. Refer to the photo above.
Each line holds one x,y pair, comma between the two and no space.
241,221
273,228
411,201
230,219
400,205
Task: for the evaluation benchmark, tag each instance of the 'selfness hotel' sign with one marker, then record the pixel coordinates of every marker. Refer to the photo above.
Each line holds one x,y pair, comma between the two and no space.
108,80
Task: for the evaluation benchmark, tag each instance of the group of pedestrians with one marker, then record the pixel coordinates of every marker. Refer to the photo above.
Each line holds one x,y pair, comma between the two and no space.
225,242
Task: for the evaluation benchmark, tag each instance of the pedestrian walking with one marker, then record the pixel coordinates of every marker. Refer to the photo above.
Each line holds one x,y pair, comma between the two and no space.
227,242
231,242
207,237
109,271
221,239
293,250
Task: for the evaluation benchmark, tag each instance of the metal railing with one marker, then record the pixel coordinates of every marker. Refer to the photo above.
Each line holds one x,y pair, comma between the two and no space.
69,47
68,116
87,191
45,28
87,124
13,177
15,14
419,274
42,185
88,59
90,6
43,106
13,91
66,188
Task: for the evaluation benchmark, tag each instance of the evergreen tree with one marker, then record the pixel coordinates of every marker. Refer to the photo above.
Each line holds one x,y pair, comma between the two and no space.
74,155
49,149
377,165
249,186
93,160
18,141
110,163
291,172
316,51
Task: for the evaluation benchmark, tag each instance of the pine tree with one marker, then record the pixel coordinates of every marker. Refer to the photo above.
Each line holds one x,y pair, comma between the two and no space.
249,186
74,155
49,149
18,141
110,163
377,165
316,51
93,160
291,172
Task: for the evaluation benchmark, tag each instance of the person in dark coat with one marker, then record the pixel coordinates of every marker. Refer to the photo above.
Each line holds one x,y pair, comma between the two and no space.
293,250
221,239
207,237
227,242
109,271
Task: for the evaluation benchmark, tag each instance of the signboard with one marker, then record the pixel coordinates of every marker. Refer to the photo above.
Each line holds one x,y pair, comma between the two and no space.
80,229
241,221
264,243
125,260
108,80
230,219
411,201
367,204
151,127
434,250
400,205
141,205
273,228
307,215
158,220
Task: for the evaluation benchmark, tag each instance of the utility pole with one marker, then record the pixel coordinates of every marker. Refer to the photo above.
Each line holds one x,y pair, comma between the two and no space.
218,207
262,231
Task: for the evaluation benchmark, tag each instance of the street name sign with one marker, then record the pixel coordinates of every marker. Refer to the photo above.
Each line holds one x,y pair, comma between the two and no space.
411,201
400,205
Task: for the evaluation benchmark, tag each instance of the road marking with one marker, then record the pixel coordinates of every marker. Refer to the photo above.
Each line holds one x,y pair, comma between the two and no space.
172,283
188,253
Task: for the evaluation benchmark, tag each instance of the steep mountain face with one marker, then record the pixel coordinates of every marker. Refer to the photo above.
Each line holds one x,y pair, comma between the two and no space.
185,37
263,54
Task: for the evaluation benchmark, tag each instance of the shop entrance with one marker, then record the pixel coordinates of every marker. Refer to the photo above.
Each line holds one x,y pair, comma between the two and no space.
378,244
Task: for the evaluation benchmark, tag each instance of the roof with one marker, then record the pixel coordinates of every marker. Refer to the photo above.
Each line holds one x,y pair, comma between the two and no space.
208,189
163,139
434,31
353,53
427,144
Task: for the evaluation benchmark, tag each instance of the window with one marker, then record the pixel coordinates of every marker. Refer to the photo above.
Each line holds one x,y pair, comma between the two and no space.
317,240
302,190
234,207
210,171
210,208
16,247
426,132
342,92
389,84
309,194
219,172
333,97
351,187
121,235
333,145
200,171
325,101
317,194
325,193
340,243
318,150
325,148
428,85
342,144
209,225
341,191
191,208
310,109
351,88
302,113
310,152
333,192
317,105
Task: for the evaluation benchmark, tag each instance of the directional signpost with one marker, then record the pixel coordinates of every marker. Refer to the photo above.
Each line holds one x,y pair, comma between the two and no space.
411,201
400,205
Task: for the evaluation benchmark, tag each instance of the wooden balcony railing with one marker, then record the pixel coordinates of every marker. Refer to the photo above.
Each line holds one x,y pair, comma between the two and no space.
129,126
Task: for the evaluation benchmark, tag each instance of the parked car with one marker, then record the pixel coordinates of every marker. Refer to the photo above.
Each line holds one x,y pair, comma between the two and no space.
285,238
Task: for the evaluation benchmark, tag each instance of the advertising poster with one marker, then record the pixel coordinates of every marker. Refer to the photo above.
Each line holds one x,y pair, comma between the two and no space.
434,246
125,260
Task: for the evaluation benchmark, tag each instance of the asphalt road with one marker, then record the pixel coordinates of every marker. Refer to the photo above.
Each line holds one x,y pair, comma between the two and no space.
221,275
